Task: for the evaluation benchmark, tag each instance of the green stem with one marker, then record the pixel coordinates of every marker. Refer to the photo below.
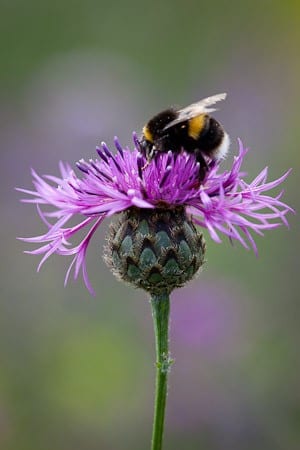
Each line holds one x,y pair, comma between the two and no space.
160,311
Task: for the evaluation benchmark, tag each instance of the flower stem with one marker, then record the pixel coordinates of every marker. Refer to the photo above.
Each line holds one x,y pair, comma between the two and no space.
160,311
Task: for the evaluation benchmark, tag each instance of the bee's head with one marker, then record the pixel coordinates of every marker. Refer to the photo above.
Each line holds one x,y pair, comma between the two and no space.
147,147
153,133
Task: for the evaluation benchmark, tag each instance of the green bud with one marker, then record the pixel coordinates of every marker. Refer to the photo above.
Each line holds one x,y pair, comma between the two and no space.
157,250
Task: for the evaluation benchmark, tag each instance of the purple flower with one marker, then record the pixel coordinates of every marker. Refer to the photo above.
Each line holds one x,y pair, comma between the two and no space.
222,203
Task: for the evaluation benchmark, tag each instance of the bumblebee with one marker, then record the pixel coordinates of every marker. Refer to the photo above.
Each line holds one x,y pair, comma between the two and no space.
191,129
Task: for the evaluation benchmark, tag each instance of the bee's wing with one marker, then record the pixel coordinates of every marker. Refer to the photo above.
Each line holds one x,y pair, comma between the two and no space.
195,109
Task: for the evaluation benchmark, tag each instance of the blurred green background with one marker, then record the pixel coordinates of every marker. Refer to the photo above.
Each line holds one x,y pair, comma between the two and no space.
78,372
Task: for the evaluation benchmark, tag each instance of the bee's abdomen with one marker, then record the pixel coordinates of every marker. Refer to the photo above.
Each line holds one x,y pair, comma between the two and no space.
212,136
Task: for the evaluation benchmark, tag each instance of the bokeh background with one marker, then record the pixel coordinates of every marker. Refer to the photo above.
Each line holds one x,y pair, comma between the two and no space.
77,372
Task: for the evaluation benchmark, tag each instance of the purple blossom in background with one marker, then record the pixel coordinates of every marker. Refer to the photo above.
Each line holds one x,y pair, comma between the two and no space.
208,322
222,203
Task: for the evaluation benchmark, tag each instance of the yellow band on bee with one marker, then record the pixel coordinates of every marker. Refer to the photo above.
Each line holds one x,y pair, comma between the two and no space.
147,133
196,125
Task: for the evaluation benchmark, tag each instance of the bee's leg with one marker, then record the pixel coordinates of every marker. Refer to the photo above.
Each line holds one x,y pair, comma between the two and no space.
149,155
203,164
146,165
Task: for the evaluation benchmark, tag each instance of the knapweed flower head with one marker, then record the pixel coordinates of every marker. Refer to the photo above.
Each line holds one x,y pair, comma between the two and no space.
124,181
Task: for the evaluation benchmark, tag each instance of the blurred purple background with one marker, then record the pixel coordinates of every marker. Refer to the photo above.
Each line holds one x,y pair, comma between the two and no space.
78,372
